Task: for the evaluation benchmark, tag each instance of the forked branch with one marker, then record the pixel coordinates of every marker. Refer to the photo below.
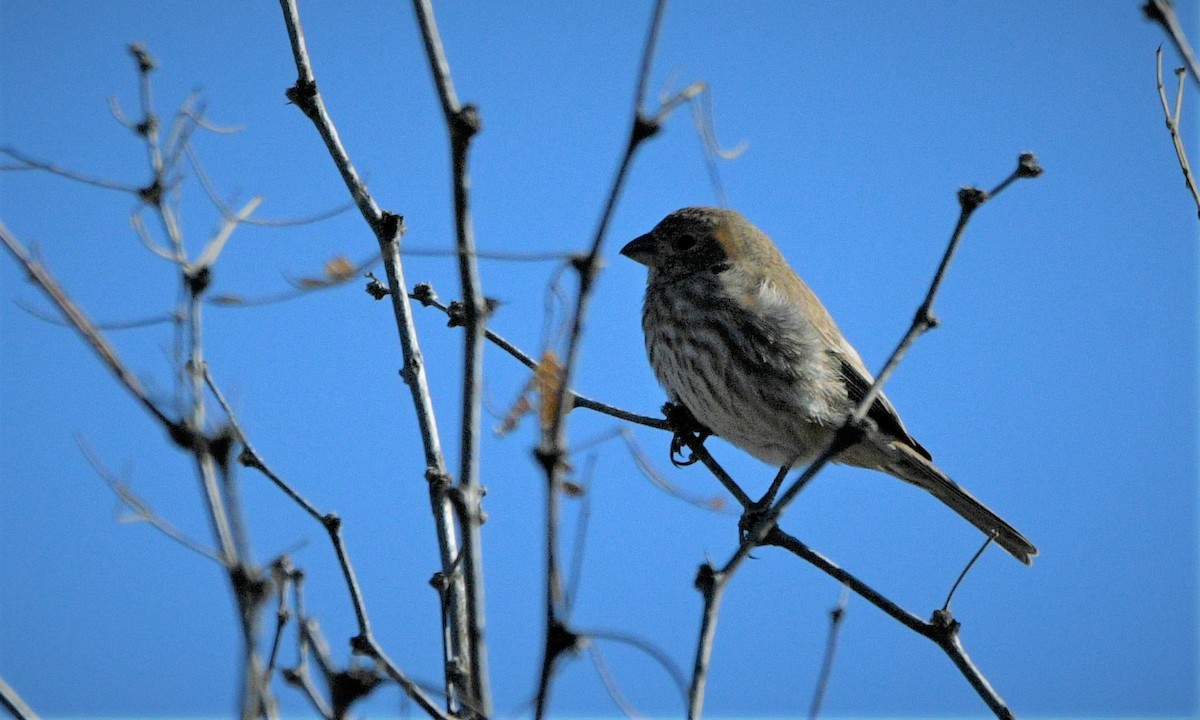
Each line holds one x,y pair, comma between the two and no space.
1172,120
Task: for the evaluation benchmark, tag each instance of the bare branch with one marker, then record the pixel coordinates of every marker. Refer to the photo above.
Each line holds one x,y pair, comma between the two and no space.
11,701
209,190
388,228
551,451
108,326
610,683
650,650
462,124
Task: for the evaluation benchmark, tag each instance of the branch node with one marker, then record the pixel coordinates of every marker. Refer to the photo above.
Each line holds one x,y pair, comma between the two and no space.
644,128
331,522
152,193
409,372
247,458
456,314
184,437
1027,165
293,677
304,95
351,685
706,579
439,583
925,319
145,62
466,123
424,294
548,457
943,621
361,645
147,127
391,226
198,279
1153,13
970,198
561,639
377,289
250,586
439,479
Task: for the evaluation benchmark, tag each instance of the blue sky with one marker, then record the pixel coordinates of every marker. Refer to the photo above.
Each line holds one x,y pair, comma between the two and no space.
1061,387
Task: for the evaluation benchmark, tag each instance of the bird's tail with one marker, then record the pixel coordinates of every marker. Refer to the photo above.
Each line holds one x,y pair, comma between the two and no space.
908,465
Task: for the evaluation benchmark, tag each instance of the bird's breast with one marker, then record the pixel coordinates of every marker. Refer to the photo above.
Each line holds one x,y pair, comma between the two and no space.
746,370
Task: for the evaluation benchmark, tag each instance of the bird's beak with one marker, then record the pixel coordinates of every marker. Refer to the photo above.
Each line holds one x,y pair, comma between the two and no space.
640,249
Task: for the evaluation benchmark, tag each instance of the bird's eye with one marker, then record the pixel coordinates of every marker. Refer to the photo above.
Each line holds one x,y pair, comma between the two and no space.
685,242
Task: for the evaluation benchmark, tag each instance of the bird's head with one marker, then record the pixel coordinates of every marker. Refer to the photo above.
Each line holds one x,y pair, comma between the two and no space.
697,239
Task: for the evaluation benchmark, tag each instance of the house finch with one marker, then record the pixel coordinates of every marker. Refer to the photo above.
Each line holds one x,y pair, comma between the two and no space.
736,337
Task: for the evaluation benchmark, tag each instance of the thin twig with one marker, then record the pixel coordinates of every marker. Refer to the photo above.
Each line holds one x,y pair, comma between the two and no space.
90,333
836,616
424,294
1172,121
306,639
610,683
281,572
942,630
575,574
649,649
660,481
712,581
202,175
28,163
106,326
962,575
141,510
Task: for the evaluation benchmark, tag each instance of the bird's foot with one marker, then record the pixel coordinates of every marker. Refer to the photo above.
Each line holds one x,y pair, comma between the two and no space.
688,432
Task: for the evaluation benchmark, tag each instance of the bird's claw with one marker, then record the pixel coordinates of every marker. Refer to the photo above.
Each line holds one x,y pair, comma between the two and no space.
686,430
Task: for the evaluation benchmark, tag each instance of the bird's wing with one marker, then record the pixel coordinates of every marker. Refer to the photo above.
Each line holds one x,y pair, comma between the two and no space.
854,374
858,381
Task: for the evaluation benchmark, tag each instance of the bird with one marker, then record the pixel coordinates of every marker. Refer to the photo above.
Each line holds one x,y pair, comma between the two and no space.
739,340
